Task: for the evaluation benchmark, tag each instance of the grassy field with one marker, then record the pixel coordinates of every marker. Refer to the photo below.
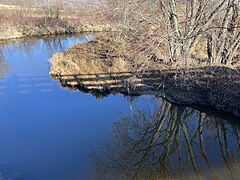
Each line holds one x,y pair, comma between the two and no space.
17,21
82,14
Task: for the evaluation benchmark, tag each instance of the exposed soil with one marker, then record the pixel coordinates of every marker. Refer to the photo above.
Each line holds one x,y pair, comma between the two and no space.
98,67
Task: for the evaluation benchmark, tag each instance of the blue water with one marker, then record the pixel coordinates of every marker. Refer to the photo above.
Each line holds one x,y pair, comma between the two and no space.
51,132
47,131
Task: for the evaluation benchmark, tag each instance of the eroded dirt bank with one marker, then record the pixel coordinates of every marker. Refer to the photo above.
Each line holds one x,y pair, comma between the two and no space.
98,67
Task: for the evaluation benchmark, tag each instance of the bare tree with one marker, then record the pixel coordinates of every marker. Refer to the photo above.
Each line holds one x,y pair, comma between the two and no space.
181,25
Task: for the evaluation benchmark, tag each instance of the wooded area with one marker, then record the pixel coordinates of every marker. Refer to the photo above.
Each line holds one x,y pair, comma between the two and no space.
178,29
180,32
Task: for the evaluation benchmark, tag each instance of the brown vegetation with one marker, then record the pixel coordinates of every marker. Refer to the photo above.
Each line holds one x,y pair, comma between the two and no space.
99,68
170,48
26,19
187,30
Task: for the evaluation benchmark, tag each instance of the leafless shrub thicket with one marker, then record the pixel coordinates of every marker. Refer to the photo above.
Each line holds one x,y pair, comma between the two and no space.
65,4
27,13
173,30
45,12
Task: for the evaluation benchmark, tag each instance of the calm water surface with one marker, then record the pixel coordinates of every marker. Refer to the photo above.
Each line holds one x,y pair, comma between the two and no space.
49,132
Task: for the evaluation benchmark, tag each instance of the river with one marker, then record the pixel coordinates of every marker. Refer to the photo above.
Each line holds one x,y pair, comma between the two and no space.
50,132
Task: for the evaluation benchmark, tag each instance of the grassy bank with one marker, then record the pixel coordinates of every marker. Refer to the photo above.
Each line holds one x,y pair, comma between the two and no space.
22,31
21,21
100,67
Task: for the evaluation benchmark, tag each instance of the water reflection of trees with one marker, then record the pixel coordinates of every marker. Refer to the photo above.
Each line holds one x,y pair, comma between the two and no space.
171,142
52,44
29,46
5,69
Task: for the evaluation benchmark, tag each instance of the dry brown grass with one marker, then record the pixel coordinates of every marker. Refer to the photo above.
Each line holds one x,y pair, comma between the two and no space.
21,21
17,21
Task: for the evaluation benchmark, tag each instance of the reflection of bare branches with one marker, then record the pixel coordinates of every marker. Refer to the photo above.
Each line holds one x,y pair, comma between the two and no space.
52,44
203,150
219,133
4,68
161,144
1,56
238,138
190,148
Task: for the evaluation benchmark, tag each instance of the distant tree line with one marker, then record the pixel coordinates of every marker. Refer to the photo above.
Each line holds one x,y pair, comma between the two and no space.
71,4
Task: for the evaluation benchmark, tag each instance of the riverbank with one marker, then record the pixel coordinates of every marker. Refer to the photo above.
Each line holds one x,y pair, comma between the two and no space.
26,21
99,67
23,31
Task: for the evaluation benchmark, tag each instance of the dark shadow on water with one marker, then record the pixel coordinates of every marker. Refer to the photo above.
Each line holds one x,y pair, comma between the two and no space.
167,141
154,141
217,87
193,140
